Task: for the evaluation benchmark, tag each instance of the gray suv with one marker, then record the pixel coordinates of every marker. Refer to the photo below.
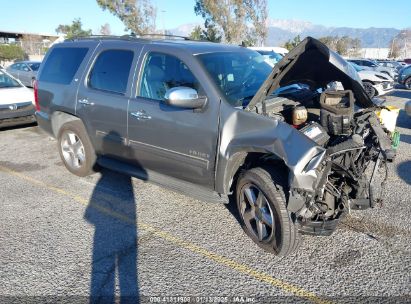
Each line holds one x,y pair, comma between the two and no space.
215,122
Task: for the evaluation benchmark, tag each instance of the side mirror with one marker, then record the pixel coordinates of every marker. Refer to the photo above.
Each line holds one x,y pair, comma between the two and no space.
184,97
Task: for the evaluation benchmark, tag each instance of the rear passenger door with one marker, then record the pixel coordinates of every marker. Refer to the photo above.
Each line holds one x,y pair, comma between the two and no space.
103,96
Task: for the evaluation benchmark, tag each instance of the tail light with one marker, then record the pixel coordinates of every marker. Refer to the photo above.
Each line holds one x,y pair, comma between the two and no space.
36,96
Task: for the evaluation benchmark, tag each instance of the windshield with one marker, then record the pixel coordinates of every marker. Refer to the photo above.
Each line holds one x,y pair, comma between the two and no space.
356,67
34,66
271,57
239,75
7,82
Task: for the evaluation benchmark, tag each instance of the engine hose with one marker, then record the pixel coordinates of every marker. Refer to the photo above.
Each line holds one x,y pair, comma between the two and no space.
355,142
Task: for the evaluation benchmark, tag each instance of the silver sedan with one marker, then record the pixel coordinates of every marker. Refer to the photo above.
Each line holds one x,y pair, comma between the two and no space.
25,71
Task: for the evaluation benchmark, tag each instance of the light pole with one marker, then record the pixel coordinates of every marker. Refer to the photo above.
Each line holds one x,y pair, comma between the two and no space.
162,20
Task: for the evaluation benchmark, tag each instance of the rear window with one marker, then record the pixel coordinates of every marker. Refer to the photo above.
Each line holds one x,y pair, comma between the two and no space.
62,64
34,66
111,70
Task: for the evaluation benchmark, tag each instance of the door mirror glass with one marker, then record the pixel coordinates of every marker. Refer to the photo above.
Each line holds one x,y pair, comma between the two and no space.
184,97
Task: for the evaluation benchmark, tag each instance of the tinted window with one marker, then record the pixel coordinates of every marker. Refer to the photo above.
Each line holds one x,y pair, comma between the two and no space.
34,66
25,68
163,72
110,71
15,66
62,64
369,64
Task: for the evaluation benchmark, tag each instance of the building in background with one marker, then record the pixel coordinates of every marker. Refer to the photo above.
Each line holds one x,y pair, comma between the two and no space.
35,45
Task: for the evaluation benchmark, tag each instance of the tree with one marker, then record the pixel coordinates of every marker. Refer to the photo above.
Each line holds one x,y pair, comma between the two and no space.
345,46
209,34
400,44
197,33
105,29
395,48
138,16
234,20
73,30
32,44
10,52
258,14
290,44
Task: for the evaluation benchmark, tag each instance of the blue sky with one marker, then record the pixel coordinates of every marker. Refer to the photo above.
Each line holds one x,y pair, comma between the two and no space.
43,16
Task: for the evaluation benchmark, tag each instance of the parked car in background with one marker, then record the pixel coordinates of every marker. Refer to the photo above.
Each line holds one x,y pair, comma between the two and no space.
270,56
25,71
390,64
407,60
373,66
16,102
375,83
404,77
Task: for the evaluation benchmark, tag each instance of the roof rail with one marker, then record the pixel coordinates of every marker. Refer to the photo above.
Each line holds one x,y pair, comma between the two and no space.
103,37
164,35
139,37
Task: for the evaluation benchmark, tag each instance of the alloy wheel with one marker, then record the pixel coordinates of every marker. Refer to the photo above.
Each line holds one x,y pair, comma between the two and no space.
256,212
72,149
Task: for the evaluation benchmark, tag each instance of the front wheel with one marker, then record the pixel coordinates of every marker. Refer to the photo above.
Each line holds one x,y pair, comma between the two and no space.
75,148
263,212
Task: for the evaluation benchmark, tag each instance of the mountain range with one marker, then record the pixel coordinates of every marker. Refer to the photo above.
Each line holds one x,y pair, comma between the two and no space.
282,30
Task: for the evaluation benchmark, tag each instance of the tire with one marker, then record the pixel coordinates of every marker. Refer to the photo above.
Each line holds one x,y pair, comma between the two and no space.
369,89
282,238
75,148
407,83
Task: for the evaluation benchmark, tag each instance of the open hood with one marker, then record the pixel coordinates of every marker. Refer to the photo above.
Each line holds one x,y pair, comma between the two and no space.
312,63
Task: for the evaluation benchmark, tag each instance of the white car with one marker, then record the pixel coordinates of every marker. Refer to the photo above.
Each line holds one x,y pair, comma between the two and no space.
16,102
375,83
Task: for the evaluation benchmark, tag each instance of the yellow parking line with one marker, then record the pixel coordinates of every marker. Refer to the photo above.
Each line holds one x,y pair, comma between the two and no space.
219,259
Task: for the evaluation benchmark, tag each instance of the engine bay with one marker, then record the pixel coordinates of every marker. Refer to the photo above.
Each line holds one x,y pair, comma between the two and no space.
357,149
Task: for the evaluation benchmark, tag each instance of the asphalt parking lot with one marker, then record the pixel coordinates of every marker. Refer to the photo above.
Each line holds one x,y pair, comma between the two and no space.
109,234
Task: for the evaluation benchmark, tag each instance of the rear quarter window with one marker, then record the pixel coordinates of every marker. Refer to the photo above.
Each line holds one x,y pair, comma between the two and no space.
62,64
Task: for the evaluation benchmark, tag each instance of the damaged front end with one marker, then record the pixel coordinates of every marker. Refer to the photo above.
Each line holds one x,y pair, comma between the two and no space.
338,175
348,176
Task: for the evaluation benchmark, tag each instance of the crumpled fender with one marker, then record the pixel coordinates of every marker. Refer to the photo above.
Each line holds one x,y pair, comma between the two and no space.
250,132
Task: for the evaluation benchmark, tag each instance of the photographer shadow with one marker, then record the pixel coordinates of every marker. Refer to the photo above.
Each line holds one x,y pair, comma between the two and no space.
112,211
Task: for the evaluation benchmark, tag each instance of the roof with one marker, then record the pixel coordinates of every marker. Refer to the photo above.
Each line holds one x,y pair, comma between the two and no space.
195,47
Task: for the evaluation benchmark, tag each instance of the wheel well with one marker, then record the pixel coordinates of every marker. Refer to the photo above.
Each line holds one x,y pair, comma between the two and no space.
59,118
366,80
253,160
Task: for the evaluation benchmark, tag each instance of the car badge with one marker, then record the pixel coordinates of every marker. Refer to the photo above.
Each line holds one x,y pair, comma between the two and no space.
13,107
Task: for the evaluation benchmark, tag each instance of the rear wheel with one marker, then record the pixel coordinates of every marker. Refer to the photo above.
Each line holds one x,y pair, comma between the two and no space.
75,148
369,89
263,212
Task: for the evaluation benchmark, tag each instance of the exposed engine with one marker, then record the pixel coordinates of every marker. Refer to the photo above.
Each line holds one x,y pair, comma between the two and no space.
357,147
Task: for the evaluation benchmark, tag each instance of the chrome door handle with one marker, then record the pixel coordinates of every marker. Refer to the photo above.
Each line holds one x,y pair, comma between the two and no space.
85,101
140,115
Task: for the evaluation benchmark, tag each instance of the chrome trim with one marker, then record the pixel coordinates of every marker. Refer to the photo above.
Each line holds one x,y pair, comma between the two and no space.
138,143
